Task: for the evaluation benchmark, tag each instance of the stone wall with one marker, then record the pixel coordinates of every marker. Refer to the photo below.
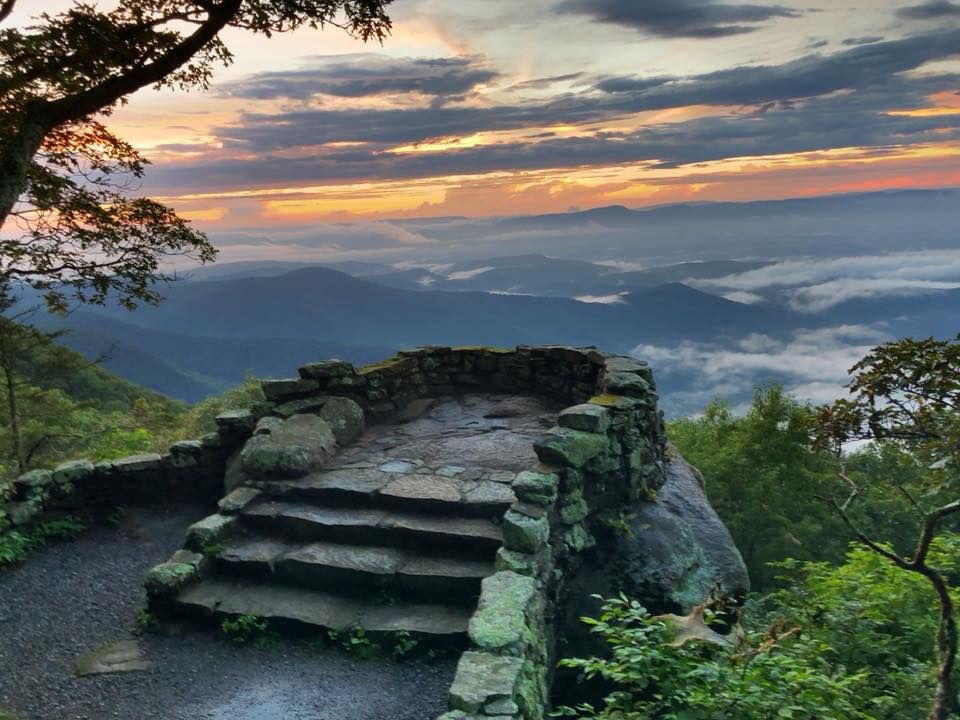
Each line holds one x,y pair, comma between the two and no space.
191,470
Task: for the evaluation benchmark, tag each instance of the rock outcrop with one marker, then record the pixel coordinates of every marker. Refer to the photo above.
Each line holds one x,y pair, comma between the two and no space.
668,552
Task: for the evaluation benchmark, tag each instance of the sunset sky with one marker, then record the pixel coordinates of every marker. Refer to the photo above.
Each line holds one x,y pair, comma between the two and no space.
498,107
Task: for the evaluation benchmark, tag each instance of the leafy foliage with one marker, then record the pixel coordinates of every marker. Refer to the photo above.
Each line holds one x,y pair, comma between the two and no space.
762,478
245,629
200,419
15,544
876,619
786,675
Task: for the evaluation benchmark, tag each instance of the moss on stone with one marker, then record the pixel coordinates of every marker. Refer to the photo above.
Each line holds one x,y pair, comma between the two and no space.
578,539
481,678
571,448
535,487
499,624
574,508
209,531
167,579
485,349
391,366
524,533
519,562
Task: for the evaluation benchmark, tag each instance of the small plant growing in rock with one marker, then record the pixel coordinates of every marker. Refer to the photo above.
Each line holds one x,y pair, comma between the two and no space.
358,643
13,548
68,528
212,549
245,629
403,644
116,516
620,524
146,621
15,545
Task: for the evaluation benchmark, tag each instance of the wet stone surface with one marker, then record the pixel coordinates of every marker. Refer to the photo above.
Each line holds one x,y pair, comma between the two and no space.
71,599
471,438
71,602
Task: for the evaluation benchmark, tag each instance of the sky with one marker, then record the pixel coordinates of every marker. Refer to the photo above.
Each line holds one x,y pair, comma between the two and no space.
498,107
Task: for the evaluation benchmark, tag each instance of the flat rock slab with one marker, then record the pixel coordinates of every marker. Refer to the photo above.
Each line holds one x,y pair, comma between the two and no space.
369,559
121,656
322,610
423,487
453,435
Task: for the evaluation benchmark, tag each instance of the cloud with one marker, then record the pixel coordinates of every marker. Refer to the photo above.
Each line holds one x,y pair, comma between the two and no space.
815,285
601,299
812,364
931,10
823,296
866,40
866,69
679,18
365,75
469,274
817,102
907,266
324,241
746,298
860,67
544,82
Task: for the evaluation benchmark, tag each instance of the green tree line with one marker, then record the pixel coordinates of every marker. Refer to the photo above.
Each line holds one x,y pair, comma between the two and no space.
853,554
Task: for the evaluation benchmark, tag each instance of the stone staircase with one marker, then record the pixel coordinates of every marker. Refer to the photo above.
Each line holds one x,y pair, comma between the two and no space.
356,548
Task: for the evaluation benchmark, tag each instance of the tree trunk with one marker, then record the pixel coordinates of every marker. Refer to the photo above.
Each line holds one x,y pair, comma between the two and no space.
11,386
15,158
945,699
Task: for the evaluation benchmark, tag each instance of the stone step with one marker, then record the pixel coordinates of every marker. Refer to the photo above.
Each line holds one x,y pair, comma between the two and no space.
421,492
370,570
439,535
291,609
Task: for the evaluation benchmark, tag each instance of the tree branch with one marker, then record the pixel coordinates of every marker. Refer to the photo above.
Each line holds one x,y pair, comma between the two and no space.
80,105
928,531
6,8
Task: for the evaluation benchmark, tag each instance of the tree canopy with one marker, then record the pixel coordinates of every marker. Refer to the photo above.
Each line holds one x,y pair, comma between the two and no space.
70,221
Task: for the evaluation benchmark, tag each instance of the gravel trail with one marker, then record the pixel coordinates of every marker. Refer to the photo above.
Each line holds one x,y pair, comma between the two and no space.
68,599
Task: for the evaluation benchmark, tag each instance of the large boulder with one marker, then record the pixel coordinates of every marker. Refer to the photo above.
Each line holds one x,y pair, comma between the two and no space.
293,447
668,554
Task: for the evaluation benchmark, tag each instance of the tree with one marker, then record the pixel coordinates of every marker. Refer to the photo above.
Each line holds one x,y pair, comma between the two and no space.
762,477
678,668
21,356
71,226
907,392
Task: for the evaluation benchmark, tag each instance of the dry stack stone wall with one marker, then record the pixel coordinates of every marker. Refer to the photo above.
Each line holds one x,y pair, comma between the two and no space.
190,470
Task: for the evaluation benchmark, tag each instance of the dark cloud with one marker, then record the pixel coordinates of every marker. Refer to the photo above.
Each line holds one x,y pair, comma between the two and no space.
930,10
364,75
679,18
818,102
814,125
859,67
866,40
876,67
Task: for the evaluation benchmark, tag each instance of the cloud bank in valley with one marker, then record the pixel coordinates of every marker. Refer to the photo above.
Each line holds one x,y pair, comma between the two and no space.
811,364
816,285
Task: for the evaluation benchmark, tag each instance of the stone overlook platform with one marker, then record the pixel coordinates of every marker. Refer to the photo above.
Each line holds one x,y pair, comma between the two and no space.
453,495
395,534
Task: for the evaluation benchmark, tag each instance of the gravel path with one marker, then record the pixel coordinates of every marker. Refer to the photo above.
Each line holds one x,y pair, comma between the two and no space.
69,599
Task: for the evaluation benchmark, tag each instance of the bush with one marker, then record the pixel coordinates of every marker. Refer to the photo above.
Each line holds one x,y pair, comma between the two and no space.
660,672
